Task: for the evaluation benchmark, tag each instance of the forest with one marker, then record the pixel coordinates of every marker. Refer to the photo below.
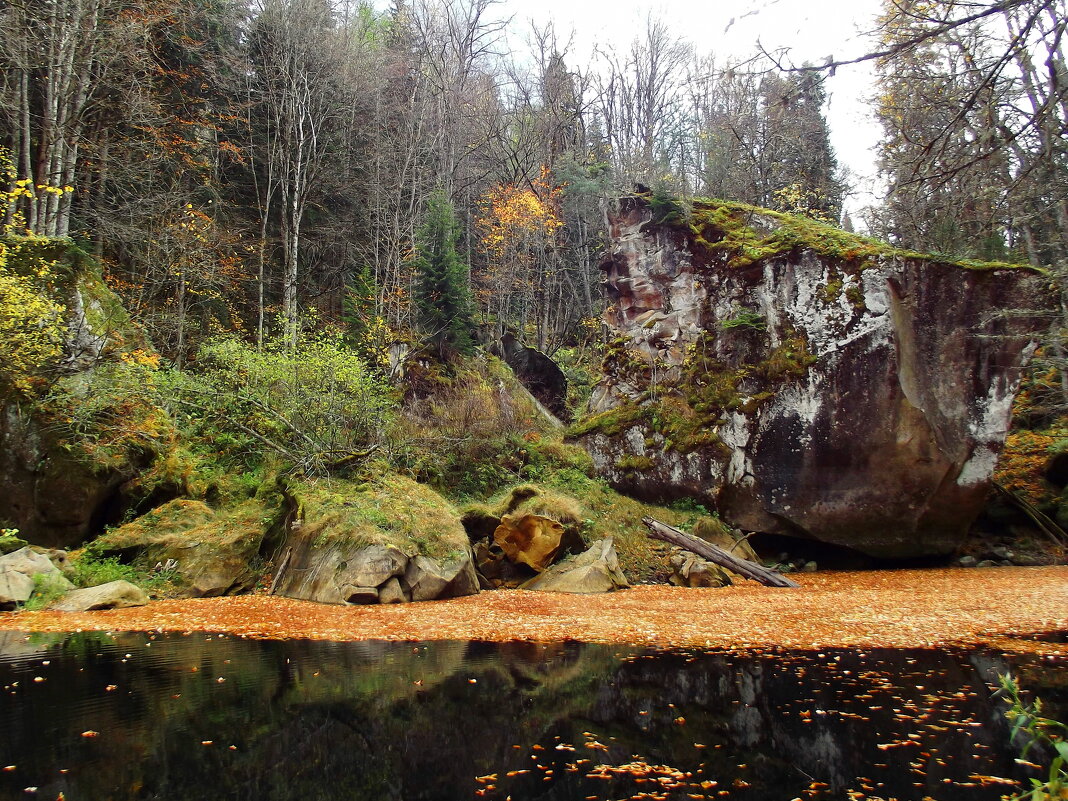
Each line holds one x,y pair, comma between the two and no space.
293,202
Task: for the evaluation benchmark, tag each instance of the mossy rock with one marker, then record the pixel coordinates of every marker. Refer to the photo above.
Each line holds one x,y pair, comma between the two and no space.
216,551
388,509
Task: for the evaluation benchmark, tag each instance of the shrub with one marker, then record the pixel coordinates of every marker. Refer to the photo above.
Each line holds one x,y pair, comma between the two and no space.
318,405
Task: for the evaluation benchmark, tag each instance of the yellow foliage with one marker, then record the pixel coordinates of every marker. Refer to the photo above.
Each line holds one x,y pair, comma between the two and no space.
514,217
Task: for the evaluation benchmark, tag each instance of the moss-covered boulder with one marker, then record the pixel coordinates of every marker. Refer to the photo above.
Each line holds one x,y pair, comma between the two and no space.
806,381
387,540
212,552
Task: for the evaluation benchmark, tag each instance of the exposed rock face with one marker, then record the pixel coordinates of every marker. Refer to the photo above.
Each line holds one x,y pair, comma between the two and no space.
352,544
822,387
50,495
212,552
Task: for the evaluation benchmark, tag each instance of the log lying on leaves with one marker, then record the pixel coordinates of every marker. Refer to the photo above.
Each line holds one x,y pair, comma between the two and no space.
713,553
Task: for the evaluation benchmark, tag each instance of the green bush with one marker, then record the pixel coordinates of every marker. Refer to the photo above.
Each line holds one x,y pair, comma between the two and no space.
47,588
317,406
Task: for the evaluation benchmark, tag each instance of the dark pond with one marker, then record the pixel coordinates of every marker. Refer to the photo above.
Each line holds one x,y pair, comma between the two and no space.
96,716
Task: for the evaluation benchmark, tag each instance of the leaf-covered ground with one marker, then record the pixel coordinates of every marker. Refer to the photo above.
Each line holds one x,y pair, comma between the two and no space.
891,608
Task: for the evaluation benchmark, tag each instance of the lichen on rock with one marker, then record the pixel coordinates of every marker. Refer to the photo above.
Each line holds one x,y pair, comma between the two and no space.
806,381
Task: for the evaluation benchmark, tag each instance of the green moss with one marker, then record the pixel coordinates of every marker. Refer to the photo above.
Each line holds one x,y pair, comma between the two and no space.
855,295
831,292
633,463
612,422
388,509
740,236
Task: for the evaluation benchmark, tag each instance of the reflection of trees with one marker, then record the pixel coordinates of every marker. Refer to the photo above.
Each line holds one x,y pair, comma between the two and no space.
420,720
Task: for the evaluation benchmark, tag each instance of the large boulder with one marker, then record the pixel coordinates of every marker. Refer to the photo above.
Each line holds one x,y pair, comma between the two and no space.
389,541
804,381
529,539
593,571
113,595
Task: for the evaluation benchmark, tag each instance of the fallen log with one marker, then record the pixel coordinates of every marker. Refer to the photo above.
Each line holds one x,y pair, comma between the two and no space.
713,553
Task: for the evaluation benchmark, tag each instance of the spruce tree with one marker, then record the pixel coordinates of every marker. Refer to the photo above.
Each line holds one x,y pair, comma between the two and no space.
442,301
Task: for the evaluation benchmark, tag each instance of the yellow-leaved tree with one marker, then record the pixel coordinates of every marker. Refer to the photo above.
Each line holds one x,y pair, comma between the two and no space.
31,321
518,228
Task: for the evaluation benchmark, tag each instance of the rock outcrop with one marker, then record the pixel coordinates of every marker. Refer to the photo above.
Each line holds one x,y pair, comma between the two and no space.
392,541
50,493
211,552
804,381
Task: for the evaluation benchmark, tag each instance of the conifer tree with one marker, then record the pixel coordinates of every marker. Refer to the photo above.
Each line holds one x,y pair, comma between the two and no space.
442,301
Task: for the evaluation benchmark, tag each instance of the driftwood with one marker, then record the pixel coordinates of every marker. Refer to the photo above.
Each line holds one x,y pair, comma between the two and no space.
713,553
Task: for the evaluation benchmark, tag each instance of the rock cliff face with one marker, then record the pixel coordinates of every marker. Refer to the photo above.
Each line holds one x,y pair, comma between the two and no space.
52,497
805,381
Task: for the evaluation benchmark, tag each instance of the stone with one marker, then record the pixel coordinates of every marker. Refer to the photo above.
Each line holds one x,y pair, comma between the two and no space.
30,563
542,377
1000,552
429,579
967,561
861,404
15,588
690,570
11,542
987,563
350,594
593,571
113,595
532,540
810,567
392,592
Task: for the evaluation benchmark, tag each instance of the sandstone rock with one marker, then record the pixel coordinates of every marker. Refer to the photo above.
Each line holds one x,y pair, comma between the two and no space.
860,403
987,563
15,588
967,561
537,372
11,543
51,494
529,539
355,595
31,563
212,550
113,595
366,543
428,578
391,592
596,570
689,570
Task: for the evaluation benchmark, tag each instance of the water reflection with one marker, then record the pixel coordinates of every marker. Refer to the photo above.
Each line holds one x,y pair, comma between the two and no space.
133,716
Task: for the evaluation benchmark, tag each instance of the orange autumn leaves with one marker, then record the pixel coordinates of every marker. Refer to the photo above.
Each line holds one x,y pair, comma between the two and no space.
890,608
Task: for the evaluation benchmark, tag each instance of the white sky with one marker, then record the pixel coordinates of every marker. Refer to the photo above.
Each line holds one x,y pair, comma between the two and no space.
812,29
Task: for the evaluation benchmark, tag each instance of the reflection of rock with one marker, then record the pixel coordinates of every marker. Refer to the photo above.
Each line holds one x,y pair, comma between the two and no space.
113,595
595,570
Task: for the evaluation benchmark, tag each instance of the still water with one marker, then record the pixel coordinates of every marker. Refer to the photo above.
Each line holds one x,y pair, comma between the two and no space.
93,716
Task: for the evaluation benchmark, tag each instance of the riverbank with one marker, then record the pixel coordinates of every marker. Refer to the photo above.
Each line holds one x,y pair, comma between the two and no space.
890,608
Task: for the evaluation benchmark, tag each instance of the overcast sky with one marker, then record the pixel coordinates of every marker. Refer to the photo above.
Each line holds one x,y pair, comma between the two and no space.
811,30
